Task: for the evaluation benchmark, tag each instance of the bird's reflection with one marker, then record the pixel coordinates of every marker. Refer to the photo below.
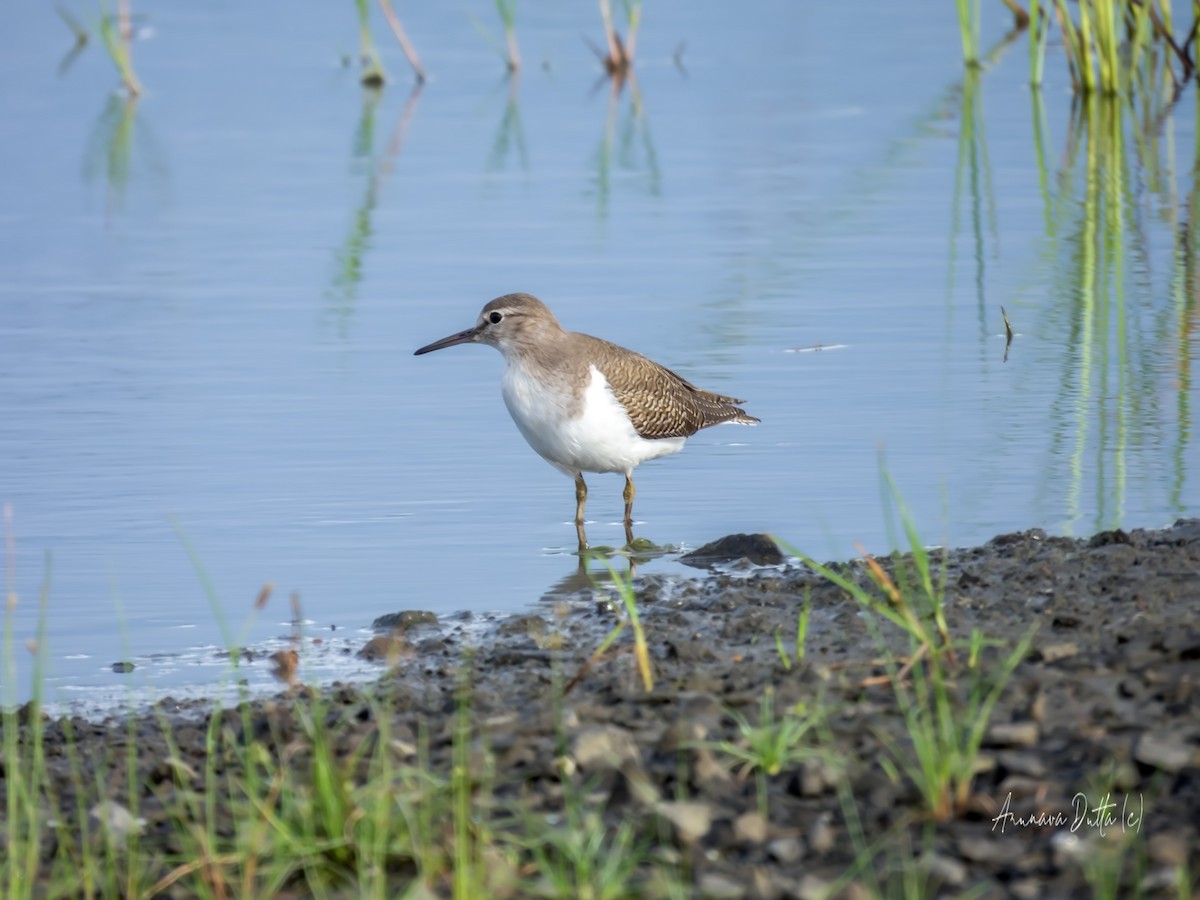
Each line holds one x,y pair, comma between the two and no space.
581,535
595,565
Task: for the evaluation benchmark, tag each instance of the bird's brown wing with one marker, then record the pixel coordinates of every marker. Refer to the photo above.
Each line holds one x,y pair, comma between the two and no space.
660,403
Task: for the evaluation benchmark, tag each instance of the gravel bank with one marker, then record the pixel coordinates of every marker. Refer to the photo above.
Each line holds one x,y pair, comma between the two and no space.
1093,744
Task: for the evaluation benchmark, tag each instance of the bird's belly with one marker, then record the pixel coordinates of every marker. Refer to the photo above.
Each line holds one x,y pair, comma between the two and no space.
598,438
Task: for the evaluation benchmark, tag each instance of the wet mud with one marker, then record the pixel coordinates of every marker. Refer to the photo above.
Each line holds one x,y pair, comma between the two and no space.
1090,754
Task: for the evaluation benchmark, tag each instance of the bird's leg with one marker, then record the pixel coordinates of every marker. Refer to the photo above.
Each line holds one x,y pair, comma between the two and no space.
580,498
630,490
583,541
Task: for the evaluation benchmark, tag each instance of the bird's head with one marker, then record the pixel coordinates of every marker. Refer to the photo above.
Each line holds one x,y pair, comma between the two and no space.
505,323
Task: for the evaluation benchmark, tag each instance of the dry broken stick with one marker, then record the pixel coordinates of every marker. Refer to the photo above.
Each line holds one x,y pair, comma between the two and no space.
410,52
619,59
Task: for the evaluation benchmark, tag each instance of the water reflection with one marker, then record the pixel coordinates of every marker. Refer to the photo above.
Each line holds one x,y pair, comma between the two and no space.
349,256
632,148
594,566
1119,163
973,176
1123,320
630,541
509,133
117,146
81,40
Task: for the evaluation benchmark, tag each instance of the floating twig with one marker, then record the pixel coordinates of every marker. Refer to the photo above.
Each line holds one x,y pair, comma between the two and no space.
677,57
1008,333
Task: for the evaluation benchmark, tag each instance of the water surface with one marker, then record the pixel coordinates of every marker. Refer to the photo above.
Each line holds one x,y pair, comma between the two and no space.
209,301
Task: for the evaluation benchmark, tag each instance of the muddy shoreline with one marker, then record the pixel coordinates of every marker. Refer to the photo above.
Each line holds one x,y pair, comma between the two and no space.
1091,757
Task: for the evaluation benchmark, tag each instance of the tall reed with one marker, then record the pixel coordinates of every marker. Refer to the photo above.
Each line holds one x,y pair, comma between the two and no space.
117,35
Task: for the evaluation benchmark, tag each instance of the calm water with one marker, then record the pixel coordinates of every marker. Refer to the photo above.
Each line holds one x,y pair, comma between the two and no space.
209,301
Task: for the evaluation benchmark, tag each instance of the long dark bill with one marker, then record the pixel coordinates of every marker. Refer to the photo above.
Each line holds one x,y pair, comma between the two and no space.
463,337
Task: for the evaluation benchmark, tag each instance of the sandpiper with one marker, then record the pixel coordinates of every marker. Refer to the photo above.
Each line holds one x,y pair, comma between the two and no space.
586,405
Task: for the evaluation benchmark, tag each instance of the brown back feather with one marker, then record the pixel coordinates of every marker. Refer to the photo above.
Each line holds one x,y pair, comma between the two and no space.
660,403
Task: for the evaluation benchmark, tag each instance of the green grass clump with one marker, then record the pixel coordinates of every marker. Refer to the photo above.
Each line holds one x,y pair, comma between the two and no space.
773,744
1110,46
944,723
787,659
24,761
584,858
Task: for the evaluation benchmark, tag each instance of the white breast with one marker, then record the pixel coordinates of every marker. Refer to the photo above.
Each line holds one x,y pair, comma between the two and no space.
600,438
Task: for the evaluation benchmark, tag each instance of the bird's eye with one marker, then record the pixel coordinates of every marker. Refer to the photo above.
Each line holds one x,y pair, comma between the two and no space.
495,318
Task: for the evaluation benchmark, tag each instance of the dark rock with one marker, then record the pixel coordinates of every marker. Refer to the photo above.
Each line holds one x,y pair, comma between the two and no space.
432,647
391,647
405,619
1184,531
1119,556
525,626
1019,538
1106,538
758,548
517,657
123,667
